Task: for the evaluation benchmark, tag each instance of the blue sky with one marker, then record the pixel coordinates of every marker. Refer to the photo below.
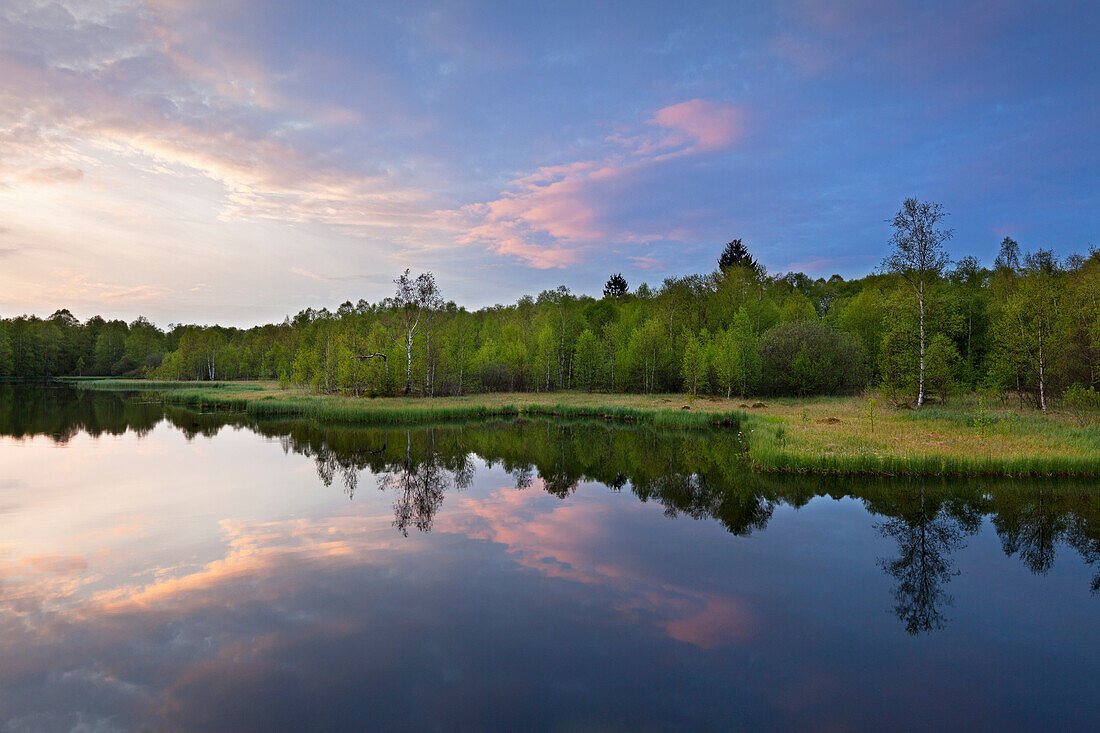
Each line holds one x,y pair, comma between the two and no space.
236,161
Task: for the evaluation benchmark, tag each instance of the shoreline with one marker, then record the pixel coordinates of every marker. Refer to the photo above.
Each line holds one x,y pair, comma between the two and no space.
834,436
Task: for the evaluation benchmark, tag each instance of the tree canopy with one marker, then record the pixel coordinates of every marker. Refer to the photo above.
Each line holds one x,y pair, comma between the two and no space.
1028,326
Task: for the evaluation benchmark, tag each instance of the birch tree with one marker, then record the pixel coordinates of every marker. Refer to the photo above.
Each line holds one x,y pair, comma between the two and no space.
918,257
411,299
1028,329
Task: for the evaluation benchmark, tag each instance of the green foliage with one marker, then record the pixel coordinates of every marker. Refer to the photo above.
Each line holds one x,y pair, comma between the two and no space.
872,412
983,419
810,358
1030,328
865,317
1083,403
941,365
587,360
694,365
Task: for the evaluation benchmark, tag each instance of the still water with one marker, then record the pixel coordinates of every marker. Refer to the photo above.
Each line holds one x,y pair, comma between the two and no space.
162,569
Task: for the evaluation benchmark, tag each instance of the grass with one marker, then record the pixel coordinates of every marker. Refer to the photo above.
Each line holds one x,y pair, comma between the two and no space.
825,435
266,399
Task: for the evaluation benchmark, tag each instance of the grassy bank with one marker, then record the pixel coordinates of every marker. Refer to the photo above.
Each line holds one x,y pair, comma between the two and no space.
828,435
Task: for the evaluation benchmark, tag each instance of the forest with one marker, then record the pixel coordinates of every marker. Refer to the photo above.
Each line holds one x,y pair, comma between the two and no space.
920,328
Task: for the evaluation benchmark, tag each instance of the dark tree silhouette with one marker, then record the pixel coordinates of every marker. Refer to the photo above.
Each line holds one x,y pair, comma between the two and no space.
616,286
926,537
737,255
1032,527
1008,258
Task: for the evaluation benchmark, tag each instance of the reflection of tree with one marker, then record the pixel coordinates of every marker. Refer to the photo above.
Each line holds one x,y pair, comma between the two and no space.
420,484
1081,537
564,473
524,476
559,483
348,464
697,473
1031,527
740,509
61,412
927,535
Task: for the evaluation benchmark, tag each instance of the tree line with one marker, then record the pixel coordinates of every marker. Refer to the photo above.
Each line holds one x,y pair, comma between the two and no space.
922,326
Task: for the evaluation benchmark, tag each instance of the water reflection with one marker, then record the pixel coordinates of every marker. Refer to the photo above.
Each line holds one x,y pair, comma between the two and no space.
928,531
420,482
690,473
496,575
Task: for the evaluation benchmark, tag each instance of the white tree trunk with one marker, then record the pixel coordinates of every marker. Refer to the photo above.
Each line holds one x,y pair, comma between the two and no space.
408,362
920,390
1042,372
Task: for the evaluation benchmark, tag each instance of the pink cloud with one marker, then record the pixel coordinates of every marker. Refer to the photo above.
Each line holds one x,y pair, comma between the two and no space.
708,125
55,174
80,100
552,216
68,286
565,542
647,263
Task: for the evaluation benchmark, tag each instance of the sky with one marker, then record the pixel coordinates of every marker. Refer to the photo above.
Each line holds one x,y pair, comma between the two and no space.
235,161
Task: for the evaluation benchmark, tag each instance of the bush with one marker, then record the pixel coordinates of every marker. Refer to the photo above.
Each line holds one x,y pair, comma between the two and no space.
1083,402
807,357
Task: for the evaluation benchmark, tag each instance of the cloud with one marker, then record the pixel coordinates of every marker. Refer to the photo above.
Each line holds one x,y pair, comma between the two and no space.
706,125
647,263
549,218
98,93
158,83
565,541
68,286
820,36
57,564
55,174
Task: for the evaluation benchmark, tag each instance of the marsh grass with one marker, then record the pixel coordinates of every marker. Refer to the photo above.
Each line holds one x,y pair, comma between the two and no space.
823,435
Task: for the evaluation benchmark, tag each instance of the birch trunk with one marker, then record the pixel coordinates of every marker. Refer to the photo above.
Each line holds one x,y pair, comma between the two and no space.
1042,372
408,362
920,390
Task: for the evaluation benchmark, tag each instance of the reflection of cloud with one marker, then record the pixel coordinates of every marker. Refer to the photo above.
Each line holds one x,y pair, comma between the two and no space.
213,625
303,592
718,620
254,550
566,543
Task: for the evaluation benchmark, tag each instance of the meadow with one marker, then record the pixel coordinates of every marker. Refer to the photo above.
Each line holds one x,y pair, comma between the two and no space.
829,435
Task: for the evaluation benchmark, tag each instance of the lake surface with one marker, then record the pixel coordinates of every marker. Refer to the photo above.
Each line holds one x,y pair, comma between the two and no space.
162,569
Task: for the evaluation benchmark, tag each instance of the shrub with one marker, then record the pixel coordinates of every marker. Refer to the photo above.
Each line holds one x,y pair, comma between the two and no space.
1083,402
807,357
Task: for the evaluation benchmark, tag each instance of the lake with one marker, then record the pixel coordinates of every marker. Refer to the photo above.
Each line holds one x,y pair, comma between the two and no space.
166,569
